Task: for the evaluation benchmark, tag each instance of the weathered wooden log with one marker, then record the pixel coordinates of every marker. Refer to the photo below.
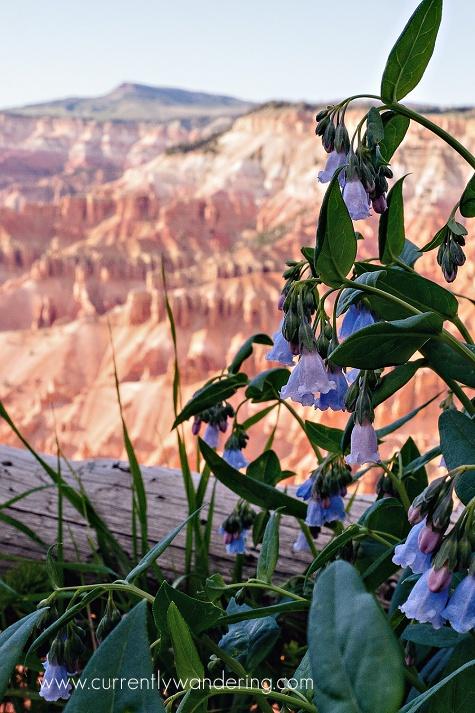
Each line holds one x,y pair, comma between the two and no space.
107,483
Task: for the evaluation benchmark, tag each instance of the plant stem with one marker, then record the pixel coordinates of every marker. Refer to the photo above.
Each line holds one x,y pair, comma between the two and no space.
294,703
255,584
463,329
461,395
112,586
301,423
441,133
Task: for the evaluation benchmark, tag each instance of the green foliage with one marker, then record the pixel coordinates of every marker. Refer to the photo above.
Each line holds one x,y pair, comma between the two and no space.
336,241
349,637
391,225
12,643
410,55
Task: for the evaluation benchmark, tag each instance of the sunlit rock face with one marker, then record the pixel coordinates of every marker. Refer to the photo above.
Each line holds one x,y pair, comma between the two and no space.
90,209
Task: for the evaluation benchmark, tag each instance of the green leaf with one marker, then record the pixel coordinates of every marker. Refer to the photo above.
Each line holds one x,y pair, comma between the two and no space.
266,385
415,480
266,611
374,559
125,655
324,436
458,695
211,394
351,294
395,380
187,661
457,441
412,288
158,549
251,640
467,201
410,55
303,674
256,417
386,343
269,553
391,225
410,253
437,240
245,351
197,614
260,494
266,468
21,527
12,642
449,363
374,127
336,240
416,703
349,637
333,548
426,635
395,129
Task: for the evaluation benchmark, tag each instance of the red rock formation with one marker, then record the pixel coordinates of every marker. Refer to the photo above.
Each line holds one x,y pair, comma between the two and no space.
90,210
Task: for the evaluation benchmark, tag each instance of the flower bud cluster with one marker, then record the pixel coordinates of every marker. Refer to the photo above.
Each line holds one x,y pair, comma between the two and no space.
236,526
431,551
450,255
109,621
234,446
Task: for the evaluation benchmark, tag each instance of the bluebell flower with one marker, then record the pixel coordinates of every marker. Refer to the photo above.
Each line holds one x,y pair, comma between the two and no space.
352,375
308,377
304,490
281,351
319,512
408,554
424,605
235,457
211,436
356,199
357,317
301,544
55,684
460,611
364,445
235,542
334,161
335,398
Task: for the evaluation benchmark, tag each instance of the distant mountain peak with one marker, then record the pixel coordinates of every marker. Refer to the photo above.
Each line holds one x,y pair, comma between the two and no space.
141,102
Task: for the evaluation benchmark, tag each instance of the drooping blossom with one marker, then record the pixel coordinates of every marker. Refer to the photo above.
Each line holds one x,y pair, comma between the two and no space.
301,544
408,553
211,435
356,199
235,542
460,611
426,606
281,351
304,490
335,398
55,683
357,317
364,445
321,511
308,378
235,458
334,161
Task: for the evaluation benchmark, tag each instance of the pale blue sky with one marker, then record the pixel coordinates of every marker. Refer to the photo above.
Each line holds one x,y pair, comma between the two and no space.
254,49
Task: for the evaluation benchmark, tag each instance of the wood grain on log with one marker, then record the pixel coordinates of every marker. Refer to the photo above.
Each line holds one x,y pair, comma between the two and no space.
107,483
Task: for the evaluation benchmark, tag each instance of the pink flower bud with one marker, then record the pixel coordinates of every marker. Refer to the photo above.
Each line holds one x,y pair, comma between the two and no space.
195,429
379,204
414,515
223,425
429,539
439,579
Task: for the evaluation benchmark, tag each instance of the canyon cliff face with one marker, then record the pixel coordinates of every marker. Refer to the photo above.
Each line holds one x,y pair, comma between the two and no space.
90,209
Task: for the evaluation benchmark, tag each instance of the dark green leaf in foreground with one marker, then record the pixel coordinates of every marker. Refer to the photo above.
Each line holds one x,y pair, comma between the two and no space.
386,343
426,635
124,654
324,436
269,553
449,363
356,660
410,55
197,614
395,129
260,494
395,380
245,351
391,225
336,240
211,394
467,202
12,642
457,441
266,385
187,661
458,695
